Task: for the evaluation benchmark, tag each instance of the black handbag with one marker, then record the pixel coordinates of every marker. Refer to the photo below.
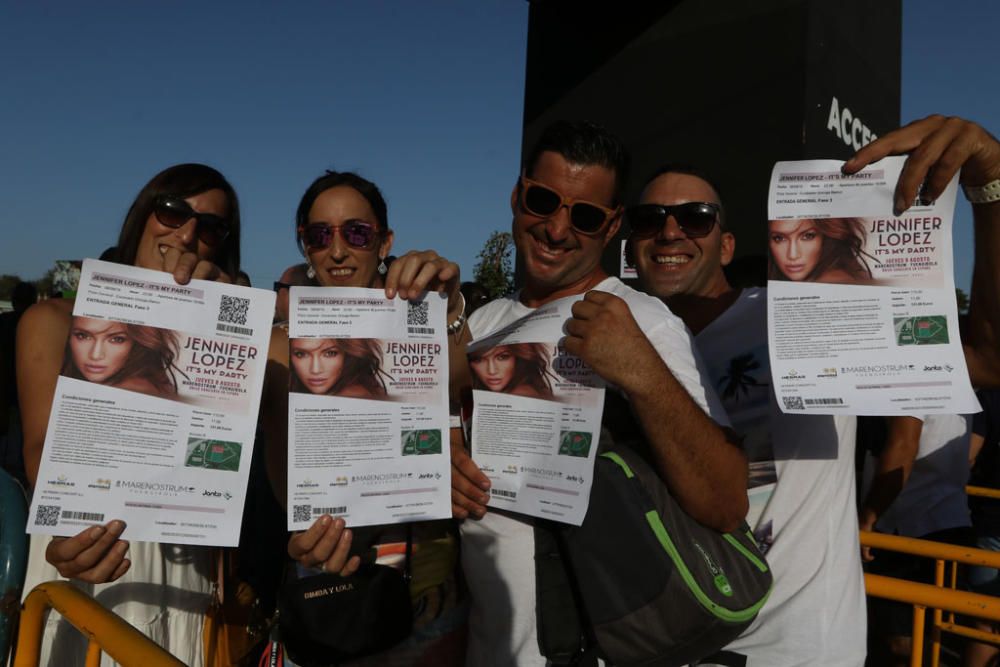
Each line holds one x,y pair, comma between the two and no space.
325,619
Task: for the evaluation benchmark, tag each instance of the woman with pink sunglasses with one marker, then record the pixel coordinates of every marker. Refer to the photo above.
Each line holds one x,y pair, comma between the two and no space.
341,227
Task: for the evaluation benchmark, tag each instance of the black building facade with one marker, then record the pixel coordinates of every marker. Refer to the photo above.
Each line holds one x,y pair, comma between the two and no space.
728,85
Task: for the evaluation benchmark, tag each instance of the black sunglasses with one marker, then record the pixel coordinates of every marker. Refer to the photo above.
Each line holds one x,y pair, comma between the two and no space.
542,201
695,218
356,233
174,212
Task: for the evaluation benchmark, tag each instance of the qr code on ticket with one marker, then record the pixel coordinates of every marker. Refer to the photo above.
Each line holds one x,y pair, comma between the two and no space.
793,403
417,314
301,513
47,515
233,309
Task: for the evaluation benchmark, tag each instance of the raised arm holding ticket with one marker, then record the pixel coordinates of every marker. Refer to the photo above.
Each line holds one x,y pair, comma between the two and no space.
938,147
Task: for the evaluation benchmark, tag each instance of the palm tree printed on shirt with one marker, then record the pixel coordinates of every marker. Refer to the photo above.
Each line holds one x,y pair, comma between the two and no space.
738,378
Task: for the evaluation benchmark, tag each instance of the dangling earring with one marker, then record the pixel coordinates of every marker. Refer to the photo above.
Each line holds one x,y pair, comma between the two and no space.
382,269
310,272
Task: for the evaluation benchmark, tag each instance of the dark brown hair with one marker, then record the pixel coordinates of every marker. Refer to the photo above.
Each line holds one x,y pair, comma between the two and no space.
362,366
585,143
333,179
182,180
151,358
531,367
843,249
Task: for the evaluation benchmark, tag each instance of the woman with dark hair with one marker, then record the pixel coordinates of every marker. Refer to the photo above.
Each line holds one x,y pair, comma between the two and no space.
168,198
521,369
186,222
818,250
350,367
124,356
341,227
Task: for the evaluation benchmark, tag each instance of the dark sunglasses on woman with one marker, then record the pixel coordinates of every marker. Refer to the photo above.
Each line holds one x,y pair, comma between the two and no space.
174,212
356,233
542,201
695,218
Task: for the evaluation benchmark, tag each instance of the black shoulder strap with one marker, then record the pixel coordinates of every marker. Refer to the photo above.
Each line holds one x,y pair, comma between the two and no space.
407,572
563,636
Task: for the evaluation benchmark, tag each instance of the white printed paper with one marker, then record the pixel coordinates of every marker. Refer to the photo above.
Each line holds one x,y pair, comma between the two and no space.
367,408
155,408
862,316
626,270
536,418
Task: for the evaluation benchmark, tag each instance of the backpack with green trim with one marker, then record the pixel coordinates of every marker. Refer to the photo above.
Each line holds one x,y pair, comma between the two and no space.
640,582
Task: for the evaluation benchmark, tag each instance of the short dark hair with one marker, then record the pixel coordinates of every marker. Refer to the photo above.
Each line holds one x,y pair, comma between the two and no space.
690,170
586,143
332,179
182,180
23,295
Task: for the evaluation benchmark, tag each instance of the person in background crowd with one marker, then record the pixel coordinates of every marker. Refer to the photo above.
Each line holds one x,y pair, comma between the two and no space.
914,487
475,297
984,458
23,296
185,221
290,277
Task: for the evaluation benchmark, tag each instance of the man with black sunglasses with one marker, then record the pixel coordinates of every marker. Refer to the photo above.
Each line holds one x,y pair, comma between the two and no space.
802,482
801,467
567,208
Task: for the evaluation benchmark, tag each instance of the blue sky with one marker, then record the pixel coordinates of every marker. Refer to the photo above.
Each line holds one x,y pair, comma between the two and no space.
947,51
424,98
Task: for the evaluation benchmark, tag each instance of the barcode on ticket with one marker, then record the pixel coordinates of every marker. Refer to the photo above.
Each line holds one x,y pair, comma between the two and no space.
824,401
229,328
504,494
82,516
302,513
329,510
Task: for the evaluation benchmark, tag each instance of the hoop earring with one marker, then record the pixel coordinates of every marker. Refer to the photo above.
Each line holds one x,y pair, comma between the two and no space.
382,268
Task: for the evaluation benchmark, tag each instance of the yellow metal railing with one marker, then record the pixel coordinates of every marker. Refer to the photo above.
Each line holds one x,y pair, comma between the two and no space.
982,491
106,630
940,597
